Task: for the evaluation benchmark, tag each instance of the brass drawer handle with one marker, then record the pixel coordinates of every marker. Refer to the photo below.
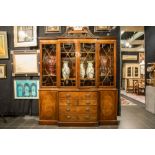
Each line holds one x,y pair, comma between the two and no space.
68,117
87,117
67,95
67,109
68,101
87,109
76,102
87,102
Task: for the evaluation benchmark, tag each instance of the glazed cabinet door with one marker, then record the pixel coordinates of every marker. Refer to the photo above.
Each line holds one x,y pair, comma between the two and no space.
48,109
108,105
48,67
107,64
87,63
68,63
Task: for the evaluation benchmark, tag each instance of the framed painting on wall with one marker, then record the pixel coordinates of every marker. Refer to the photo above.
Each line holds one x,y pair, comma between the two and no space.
25,36
25,62
2,71
3,45
102,28
52,29
129,57
26,89
141,57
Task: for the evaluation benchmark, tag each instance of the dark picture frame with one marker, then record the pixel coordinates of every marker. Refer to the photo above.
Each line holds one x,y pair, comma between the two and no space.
52,29
102,28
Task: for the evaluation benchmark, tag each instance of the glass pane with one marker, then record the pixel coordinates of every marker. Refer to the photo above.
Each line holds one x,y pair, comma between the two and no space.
129,71
136,71
87,64
68,64
106,65
49,65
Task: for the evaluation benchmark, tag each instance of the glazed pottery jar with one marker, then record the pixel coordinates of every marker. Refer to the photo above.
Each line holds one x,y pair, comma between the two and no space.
51,65
65,70
82,70
104,65
90,70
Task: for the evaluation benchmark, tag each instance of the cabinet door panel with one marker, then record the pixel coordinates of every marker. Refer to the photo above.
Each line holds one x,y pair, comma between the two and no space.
48,101
108,105
87,64
68,69
48,67
107,66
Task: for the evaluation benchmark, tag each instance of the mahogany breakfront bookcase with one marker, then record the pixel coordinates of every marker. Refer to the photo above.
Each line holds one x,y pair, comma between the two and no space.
78,99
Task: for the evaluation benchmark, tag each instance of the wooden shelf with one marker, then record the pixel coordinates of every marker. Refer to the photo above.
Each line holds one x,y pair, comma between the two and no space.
68,52
105,75
87,79
49,75
88,52
68,79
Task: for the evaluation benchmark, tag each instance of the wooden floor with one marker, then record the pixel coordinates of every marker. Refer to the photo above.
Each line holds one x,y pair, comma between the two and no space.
133,117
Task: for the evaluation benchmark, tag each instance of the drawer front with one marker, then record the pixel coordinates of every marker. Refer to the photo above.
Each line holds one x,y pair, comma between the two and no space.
78,118
78,95
77,109
77,102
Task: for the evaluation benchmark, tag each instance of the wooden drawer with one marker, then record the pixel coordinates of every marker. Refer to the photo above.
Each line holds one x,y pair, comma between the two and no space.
77,102
78,95
78,118
78,109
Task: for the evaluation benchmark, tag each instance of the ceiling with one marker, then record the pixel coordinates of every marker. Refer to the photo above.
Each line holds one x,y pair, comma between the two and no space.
132,38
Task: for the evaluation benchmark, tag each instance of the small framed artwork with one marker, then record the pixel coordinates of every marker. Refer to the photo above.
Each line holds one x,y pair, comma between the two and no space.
25,36
2,71
141,57
129,57
26,89
25,62
3,45
102,28
52,29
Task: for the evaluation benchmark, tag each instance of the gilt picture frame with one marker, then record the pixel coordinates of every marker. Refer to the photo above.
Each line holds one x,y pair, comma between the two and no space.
25,36
3,45
26,89
2,71
25,62
52,29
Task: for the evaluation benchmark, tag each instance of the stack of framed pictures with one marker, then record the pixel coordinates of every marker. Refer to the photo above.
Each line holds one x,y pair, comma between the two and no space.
3,53
25,63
